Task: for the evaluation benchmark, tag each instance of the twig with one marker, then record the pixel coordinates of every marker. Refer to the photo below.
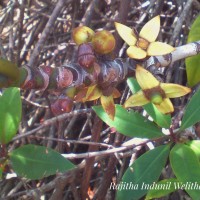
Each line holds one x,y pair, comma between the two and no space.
90,161
52,121
45,33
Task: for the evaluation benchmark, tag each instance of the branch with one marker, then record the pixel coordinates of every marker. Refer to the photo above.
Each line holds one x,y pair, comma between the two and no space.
45,33
73,75
181,52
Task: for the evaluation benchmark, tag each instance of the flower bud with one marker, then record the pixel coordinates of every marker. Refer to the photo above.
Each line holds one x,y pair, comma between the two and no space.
103,42
82,34
86,57
62,105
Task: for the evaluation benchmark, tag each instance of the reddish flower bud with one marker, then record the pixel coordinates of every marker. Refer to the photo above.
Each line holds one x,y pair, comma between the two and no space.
63,105
86,57
103,42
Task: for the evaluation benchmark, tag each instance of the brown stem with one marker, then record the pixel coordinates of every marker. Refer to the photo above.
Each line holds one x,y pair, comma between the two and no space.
107,178
96,130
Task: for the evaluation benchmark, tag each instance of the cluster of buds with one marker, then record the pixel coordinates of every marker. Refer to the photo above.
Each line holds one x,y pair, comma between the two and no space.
90,43
141,45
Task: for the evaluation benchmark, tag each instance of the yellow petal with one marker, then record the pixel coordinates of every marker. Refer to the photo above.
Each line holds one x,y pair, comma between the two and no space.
116,93
137,99
159,48
174,90
145,79
93,93
165,107
136,52
151,29
108,105
126,33
80,96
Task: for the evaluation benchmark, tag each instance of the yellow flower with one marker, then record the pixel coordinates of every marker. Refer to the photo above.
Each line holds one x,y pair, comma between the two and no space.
143,44
155,92
93,92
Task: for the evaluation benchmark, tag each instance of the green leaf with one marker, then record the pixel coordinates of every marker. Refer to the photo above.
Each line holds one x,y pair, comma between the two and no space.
186,167
162,188
195,146
162,120
9,73
143,172
191,115
129,123
1,171
36,162
10,114
193,63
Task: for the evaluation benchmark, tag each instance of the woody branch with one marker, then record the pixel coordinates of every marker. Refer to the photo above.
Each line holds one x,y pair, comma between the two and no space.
72,74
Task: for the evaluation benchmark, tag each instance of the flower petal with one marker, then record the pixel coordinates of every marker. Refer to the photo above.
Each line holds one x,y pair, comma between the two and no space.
126,33
151,29
108,105
80,96
159,48
116,93
137,99
165,107
136,52
93,93
174,90
145,79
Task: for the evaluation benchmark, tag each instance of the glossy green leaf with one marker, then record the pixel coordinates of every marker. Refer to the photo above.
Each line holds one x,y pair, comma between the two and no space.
129,123
162,120
193,63
143,172
186,167
36,162
191,115
10,114
195,146
162,188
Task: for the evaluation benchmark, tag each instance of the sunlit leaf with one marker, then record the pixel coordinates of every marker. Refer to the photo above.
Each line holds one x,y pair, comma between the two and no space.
195,146
193,63
186,167
161,119
10,114
36,162
162,188
191,115
143,172
151,29
129,123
